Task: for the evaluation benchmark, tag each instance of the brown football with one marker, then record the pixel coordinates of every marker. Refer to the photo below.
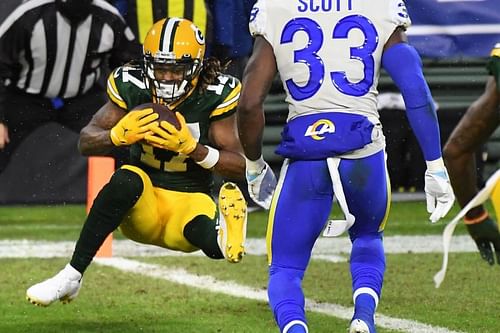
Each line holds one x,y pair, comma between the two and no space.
165,114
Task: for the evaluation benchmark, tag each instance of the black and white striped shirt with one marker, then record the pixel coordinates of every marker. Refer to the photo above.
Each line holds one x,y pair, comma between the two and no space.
42,54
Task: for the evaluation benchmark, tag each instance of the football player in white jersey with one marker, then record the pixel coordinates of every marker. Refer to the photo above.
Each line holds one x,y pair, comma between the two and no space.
328,55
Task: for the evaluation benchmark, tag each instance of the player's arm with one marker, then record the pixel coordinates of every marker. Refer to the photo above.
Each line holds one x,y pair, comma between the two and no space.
404,65
10,48
473,130
95,137
111,126
257,79
4,130
224,137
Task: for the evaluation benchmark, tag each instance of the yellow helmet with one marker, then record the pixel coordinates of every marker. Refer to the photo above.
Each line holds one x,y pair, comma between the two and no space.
173,45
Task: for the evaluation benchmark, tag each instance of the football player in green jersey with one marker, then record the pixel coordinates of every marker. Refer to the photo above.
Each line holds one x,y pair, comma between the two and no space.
162,197
479,122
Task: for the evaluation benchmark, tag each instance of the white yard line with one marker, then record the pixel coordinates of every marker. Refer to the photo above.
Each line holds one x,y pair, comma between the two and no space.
211,284
334,250
330,249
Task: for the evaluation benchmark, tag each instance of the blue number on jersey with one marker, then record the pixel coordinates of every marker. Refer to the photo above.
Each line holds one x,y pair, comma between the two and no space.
309,55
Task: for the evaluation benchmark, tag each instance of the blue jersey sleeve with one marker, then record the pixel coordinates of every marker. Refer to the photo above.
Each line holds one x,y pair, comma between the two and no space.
404,65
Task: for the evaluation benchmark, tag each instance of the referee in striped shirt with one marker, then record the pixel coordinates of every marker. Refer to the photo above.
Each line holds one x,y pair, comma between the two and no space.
54,57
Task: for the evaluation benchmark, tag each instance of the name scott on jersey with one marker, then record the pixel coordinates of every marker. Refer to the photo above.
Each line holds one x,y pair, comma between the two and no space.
323,5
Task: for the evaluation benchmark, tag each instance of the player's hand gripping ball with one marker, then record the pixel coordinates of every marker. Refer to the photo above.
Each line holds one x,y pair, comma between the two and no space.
170,132
133,127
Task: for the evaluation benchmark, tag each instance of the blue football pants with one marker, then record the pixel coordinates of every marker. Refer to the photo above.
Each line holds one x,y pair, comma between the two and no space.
300,209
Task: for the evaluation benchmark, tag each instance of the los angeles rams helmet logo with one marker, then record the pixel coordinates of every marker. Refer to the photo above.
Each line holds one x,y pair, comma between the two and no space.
319,128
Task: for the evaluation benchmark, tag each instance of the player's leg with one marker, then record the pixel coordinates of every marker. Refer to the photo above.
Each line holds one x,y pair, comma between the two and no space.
232,222
108,210
191,222
366,187
300,208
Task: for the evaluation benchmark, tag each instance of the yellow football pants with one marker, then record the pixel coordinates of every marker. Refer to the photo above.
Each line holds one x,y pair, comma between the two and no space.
160,215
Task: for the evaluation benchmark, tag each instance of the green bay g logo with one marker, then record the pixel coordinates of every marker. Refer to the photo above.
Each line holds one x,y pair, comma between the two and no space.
319,128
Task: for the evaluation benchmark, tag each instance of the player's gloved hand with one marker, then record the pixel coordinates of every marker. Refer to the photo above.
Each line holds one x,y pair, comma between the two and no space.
438,191
166,136
261,182
486,236
132,127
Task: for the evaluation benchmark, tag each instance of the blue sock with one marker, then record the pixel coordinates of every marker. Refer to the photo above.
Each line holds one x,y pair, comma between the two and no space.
364,308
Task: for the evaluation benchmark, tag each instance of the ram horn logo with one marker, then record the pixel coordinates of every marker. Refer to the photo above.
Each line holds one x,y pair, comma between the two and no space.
319,128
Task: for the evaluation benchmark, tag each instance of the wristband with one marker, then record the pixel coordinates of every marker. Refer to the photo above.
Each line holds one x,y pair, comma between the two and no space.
255,167
478,219
211,159
435,165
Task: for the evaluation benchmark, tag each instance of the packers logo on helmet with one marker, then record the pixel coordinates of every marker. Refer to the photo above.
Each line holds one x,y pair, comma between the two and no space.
173,57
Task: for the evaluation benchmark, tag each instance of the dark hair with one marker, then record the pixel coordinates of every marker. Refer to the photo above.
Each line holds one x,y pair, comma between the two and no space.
212,68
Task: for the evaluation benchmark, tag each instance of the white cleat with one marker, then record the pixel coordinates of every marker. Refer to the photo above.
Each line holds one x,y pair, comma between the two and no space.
64,286
358,326
232,222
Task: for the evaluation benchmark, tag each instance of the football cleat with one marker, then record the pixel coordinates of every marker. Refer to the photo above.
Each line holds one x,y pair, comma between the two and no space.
359,326
64,286
232,222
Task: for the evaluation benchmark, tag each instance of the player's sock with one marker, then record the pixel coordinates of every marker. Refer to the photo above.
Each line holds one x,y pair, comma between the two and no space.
108,210
367,270
364,309
286,298
201,232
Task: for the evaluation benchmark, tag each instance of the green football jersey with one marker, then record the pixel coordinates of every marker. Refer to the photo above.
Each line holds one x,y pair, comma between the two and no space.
167,169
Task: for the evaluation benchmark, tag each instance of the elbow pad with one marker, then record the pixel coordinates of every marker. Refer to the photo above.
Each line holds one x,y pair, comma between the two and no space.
404,65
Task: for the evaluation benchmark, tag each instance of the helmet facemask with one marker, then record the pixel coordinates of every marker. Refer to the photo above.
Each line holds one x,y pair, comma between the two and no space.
170,79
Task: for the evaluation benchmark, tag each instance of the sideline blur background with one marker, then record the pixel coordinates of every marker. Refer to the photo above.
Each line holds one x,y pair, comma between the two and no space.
454,38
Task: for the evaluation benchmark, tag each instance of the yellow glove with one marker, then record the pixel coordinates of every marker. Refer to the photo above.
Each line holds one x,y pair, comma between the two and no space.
132,127
166,136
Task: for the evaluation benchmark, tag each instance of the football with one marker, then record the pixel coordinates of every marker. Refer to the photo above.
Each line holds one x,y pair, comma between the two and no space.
165,113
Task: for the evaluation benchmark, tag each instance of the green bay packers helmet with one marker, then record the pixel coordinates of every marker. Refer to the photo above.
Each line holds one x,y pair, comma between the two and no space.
177,46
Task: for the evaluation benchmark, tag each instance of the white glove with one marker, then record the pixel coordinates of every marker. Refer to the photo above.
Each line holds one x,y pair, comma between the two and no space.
438,190
261,182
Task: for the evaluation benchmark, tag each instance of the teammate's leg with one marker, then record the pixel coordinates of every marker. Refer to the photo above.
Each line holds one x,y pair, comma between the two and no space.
366,187
299,211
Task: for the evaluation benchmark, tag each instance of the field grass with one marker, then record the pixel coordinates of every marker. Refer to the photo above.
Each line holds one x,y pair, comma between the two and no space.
115,301
63,222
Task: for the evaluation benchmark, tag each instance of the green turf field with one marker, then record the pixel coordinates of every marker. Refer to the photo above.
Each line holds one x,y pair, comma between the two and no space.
113,300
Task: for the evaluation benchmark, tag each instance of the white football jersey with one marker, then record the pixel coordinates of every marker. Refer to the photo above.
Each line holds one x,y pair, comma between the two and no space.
328,52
